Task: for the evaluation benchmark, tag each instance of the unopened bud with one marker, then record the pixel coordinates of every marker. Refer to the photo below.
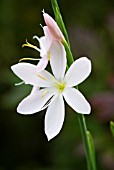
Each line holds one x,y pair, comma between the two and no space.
53,27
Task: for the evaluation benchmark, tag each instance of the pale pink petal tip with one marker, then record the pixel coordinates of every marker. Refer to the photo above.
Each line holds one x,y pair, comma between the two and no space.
53,27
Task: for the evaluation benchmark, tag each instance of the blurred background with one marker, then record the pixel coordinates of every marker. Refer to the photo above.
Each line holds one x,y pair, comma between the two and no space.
23,144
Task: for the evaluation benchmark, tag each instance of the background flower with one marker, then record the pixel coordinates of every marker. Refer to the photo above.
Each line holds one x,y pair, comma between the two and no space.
45,44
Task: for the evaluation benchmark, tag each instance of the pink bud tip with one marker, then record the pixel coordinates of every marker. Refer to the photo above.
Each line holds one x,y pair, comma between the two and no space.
53,27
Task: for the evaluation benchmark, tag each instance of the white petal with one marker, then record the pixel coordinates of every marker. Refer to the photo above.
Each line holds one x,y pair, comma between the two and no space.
45,41
58,59
42,64
54,117
48,36
77,101
78,72
27,72
34,102
45,79
42,42
35,89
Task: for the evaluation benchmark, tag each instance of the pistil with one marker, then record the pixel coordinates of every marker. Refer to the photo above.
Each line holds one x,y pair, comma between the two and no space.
61,86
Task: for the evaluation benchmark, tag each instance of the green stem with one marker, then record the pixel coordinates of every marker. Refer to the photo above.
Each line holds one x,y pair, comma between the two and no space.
83,127
70,59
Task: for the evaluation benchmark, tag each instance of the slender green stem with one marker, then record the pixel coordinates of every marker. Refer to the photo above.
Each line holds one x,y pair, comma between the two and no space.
112,127
70,59
83,127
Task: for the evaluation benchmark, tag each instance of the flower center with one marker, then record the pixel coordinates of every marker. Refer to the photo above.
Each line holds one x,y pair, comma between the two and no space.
60,86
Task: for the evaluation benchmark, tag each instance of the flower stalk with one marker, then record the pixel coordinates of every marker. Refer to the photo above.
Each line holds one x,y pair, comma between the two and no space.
70,59
87,139
87,143
112,127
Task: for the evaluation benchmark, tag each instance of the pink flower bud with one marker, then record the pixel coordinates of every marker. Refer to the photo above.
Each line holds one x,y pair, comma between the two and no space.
53,27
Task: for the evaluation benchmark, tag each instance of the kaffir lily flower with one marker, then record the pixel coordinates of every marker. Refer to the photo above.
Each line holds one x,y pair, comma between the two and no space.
45,44
54,88
53,27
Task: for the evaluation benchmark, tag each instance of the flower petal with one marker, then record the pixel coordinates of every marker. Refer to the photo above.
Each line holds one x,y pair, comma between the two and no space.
76,100
45,41
34,102
54,117
35,89
45,79
78,71
42,42
42,64
48,37
27,72
58,59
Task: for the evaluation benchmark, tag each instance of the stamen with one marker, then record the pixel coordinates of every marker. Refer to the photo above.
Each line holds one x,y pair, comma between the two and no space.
60,86
43,11
41,25
48,55
31,46
18,84
44,93
41,77
36,37
28,59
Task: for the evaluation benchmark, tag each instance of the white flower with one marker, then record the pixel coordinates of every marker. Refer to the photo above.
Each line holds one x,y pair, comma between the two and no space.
45,44
54,88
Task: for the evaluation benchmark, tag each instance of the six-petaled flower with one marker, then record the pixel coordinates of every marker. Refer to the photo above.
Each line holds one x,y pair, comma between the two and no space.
54,88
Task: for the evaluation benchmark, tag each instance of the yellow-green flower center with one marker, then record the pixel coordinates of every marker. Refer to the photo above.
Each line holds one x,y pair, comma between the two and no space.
60,86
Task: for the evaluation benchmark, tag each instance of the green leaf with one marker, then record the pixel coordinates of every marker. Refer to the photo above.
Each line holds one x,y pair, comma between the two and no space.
91,149
59,20
112,127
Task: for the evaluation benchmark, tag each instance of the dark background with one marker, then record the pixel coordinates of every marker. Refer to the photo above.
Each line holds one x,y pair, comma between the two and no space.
23,144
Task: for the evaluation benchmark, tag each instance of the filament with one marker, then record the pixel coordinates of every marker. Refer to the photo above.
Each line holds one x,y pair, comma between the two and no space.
31,46
28,59
18,84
